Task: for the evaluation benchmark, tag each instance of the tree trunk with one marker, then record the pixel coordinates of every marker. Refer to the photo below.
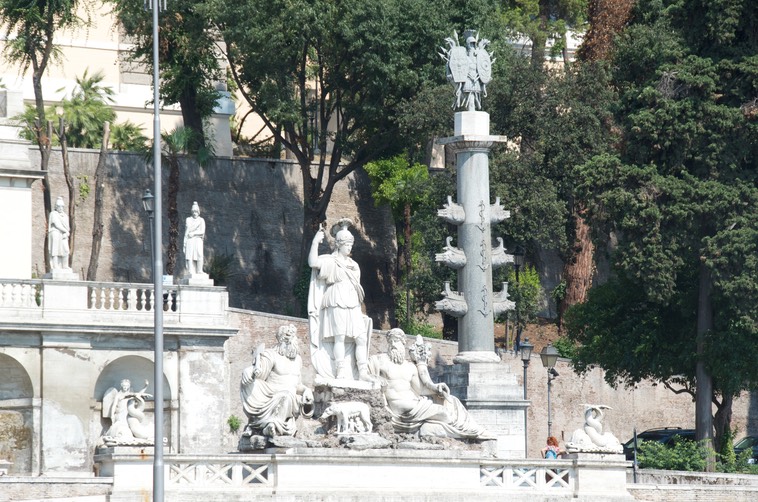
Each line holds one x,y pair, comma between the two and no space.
172,250
539,40
192,119
43,143
97,224
71,189
722,421
407,235
704,389
578,269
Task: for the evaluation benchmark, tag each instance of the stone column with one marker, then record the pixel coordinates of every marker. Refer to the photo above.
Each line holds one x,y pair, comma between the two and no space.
476,325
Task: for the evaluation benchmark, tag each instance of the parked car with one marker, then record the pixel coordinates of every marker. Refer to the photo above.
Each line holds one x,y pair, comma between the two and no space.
667,436
746,443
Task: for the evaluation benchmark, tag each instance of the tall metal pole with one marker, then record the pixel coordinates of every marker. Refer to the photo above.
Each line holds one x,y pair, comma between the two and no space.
157,271
526,430
549,407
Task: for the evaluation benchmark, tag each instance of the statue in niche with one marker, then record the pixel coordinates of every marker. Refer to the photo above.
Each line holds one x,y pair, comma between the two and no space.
194,234
469,69
271,389
58,231
416,403
126,409
591,438
339,332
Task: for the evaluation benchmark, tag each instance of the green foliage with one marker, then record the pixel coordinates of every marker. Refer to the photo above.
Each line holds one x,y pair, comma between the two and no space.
397,183
543,20
566,348
188,56
415,324
681,195
30,28
527,293
300,291
87,110
726,455
681,456
234,422
84,188
220,267
127,136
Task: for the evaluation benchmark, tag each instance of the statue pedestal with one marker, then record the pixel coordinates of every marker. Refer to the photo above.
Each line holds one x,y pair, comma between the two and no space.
62,274
340,391
600,476
493,397
197,280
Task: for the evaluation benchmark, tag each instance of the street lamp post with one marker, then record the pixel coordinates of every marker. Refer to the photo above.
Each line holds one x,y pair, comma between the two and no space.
148,204
526,354
156,6
518,262
549,356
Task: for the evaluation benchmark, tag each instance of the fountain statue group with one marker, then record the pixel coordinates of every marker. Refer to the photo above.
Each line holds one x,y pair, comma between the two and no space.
272,391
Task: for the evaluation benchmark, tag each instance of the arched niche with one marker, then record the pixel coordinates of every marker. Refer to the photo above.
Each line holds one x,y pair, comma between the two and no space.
15,382
16,415
137,370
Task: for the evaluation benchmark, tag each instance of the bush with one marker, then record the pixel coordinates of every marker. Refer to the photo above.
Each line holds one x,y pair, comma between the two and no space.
682,456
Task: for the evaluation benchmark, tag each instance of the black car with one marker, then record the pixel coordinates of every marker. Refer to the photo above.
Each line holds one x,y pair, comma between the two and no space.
668,436
747,443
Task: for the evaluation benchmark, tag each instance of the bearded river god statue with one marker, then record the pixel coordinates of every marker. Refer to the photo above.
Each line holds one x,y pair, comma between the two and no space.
417,404
271,389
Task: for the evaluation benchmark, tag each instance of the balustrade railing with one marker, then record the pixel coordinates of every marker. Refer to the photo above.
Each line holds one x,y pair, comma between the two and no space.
553,477
206,474
23,294
130,297
43,298
556,477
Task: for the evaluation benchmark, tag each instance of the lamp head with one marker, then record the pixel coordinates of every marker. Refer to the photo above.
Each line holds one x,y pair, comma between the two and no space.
148,202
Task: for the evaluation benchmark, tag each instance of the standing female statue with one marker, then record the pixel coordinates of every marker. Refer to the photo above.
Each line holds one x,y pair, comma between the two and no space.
339,331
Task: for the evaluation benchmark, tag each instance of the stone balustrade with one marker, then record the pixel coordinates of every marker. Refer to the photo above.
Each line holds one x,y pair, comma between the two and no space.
343,474
47,300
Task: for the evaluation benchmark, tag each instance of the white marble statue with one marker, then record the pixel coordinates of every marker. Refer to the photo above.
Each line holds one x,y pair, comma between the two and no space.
126,409
271,389
416,404
194,234
339,332
591,438
469,69
58,231
352,417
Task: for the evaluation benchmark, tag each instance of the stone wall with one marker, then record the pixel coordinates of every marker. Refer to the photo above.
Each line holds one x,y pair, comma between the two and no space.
253,213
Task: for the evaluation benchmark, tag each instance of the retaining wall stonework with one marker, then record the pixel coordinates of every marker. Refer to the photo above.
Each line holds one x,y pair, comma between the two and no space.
252,210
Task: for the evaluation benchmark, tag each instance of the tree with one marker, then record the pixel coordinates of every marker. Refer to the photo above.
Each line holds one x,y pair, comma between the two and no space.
189,57
30,27
681,196
541,20
561,119
86,111
343,66
403,187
